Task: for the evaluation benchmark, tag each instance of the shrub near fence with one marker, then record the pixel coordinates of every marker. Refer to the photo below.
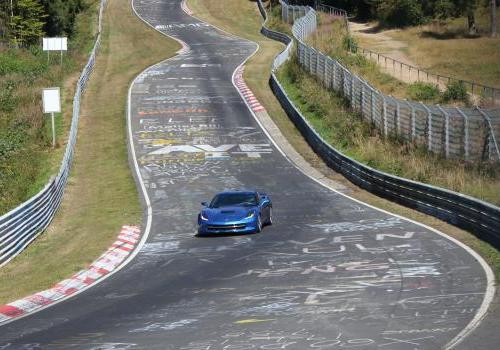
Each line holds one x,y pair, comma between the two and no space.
22,225
481,218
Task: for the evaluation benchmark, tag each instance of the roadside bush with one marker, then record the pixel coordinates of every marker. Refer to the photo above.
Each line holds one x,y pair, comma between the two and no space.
12,62
456,91
350,44
423,91
293,71
8,102
400,13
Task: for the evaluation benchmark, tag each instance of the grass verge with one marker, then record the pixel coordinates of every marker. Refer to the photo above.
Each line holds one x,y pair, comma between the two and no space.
101,195
245,21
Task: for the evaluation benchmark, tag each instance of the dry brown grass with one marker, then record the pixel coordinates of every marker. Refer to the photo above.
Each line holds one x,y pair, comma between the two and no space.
101,195
444,48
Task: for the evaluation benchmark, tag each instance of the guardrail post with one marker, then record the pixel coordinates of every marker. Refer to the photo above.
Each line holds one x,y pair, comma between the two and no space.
466,133
446,131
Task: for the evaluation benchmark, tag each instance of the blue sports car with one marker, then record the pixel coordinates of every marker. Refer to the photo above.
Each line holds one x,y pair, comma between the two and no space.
236,212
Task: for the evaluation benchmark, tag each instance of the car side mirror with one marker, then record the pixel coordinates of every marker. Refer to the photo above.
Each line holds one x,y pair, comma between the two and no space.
205,204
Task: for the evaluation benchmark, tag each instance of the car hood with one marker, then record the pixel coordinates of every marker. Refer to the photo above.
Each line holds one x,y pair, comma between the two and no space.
227,213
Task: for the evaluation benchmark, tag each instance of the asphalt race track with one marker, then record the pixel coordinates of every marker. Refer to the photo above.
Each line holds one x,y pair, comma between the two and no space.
331,273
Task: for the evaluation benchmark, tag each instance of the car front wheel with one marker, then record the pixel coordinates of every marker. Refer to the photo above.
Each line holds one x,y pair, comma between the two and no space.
270,218
259,224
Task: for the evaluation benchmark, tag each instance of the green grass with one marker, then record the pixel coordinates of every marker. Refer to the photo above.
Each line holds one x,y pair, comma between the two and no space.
101,195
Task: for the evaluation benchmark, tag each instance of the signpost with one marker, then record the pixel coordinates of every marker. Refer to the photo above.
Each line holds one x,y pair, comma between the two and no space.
55,44
52,104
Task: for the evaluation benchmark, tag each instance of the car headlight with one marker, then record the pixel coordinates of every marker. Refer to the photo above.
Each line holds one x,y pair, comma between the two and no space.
250,215
204,218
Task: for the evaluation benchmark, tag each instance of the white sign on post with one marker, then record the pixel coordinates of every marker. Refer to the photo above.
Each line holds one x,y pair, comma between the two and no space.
52,104
52,100
55,44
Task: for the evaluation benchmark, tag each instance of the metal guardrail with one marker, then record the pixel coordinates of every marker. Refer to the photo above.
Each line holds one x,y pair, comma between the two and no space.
22,225
464,133
478,217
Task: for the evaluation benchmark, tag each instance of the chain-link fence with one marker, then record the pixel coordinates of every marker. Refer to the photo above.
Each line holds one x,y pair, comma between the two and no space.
22,225
468,133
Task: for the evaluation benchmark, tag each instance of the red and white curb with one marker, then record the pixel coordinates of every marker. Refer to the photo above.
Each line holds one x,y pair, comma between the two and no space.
125,243
246,92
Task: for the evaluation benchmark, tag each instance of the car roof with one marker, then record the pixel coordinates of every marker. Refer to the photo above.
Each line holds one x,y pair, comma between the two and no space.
238,192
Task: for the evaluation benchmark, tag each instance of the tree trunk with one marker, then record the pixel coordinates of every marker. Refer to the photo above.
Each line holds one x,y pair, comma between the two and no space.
471,21
493,18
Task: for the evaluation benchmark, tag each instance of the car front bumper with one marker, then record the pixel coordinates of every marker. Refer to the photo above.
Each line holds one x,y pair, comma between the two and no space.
227,227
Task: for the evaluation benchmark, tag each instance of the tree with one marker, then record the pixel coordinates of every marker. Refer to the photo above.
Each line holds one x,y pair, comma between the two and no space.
26,25
61,16
467,7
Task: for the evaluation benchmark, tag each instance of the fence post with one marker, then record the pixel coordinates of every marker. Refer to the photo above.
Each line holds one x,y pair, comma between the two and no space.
325,71
372,116
342,82
398,118
334,78
317,64
352,90
361,98
310,60
413,121
466,132
446,131
429,127
492,132
384,114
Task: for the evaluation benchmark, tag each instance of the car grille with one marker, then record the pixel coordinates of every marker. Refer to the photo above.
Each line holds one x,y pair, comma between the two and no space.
226,227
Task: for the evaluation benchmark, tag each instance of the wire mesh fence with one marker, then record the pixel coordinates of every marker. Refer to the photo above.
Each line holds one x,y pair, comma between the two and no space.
22,225
467,133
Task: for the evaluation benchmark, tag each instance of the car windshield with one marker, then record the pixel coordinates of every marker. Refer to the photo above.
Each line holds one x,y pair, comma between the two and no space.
233,199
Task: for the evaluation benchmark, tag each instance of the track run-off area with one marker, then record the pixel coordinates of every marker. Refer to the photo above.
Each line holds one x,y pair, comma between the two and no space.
330,273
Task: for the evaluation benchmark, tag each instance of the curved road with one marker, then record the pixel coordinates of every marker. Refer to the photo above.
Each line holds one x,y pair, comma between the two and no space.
331,273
